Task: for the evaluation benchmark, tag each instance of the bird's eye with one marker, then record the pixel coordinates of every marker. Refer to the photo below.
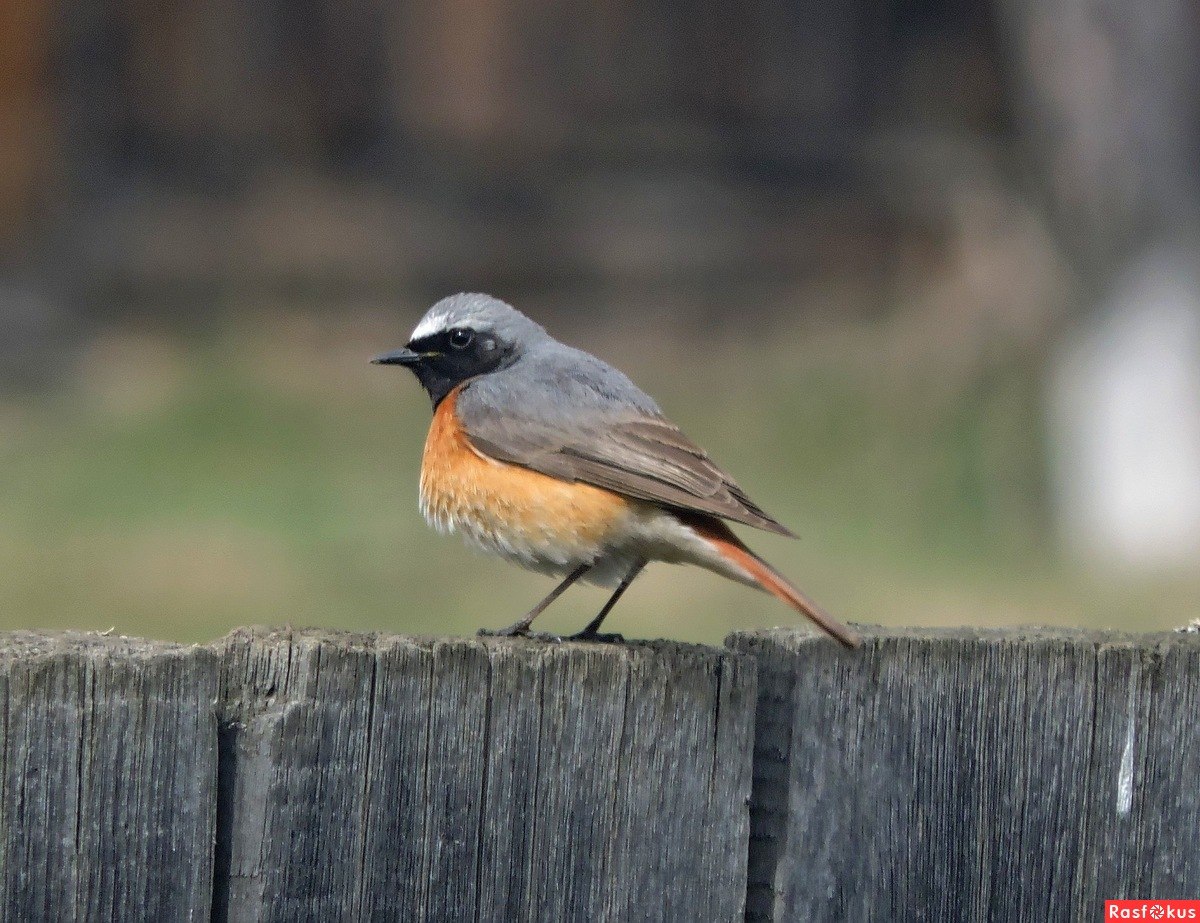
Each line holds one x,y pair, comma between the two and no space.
461,337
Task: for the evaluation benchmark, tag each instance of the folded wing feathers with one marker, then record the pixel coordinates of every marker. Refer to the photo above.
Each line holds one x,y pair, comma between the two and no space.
647,458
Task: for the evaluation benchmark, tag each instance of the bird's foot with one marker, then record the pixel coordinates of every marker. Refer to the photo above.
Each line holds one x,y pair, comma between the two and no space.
597,637
518,630
545,636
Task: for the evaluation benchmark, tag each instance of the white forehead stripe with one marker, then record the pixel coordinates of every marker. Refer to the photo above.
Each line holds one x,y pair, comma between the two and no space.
431,323
439,321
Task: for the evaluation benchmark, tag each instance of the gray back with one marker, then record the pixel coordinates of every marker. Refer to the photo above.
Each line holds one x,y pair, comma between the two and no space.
557,385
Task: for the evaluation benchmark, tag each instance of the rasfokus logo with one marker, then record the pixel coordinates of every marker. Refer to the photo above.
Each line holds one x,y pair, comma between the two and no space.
1152,910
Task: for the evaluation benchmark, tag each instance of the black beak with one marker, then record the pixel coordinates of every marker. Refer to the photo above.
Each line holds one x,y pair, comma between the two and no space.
404,356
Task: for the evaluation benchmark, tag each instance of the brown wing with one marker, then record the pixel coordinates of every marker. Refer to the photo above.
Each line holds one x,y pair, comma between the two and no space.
646,457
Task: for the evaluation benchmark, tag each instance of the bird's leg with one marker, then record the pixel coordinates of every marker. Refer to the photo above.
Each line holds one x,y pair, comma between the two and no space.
591,631
522,627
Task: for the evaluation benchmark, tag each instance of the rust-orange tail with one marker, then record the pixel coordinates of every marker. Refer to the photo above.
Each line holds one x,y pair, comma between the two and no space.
730,547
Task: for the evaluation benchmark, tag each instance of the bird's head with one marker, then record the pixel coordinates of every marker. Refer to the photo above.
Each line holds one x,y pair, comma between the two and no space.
462,337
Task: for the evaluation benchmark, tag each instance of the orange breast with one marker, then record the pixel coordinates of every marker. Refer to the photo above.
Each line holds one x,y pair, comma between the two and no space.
509,509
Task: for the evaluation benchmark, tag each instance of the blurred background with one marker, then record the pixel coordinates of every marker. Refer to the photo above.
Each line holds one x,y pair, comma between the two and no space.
922,275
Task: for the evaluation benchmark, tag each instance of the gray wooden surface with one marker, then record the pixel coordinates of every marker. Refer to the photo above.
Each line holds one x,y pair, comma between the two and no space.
314,776
109,778
961,775
400,779
317,776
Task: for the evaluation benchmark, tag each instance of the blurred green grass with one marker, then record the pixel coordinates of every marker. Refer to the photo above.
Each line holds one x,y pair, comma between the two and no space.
179,485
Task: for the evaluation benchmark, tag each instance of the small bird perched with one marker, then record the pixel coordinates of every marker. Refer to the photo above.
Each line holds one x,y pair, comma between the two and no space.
554,460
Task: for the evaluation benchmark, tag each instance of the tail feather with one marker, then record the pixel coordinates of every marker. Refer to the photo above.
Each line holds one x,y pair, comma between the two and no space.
730,547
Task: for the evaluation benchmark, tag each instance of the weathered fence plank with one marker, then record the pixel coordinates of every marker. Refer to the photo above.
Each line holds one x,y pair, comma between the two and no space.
454,779
296,719
109,778
965,775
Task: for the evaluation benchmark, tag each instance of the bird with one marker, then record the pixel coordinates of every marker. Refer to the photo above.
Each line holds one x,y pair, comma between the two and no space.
553,459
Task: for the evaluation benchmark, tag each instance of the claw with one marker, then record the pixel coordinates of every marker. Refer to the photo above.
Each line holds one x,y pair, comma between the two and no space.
597,637
545,636
512,631
519,630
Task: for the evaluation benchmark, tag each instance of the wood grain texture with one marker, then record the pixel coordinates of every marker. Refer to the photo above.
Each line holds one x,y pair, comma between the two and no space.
964,775
109,778
283,775
391,778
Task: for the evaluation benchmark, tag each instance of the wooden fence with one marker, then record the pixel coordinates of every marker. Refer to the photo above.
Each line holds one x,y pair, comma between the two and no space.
281,775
